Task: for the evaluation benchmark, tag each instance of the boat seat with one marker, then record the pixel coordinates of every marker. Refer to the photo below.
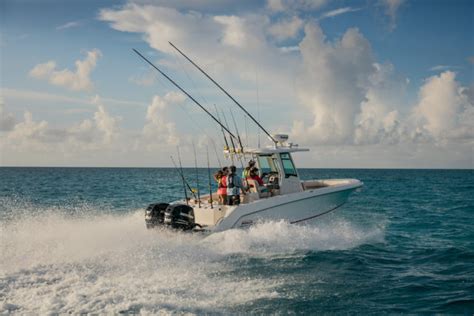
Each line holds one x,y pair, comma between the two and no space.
254,187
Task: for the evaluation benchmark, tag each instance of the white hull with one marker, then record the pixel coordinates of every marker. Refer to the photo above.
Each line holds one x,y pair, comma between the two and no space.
293,207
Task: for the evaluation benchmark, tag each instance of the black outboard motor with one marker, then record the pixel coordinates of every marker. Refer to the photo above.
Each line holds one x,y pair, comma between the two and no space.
180,216
155,214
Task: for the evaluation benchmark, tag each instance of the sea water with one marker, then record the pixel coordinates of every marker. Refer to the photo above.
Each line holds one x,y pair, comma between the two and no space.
73,240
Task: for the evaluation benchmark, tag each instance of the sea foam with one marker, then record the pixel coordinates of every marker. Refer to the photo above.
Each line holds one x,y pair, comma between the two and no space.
110,263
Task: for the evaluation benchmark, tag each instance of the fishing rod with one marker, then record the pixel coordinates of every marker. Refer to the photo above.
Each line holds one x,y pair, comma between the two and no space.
184,91
209,176
215,151
227,93
223,133
233,144
185,183
182,176
197,176
237,131
227,124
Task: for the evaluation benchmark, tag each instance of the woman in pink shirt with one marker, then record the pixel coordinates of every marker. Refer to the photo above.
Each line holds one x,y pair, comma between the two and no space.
221,178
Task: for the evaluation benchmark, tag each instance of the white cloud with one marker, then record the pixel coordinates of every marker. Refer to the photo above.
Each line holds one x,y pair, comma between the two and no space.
73,80
286,29
7,120
68,25
345,99
336,12
391,8
445,109
158,129
334,82
294,5
221,44
98,132
443,67
104,122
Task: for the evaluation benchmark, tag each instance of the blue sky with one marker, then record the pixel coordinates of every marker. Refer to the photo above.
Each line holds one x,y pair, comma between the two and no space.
410,107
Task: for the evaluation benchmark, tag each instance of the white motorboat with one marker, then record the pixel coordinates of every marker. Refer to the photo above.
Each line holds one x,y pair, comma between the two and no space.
284,196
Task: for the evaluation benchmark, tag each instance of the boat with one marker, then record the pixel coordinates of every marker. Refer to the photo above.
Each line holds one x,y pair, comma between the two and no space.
284,195
287,197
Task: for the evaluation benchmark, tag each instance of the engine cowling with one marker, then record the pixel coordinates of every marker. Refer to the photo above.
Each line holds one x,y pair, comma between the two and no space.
180,216
155,214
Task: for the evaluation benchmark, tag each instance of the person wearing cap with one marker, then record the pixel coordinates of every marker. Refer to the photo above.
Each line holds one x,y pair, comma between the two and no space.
246,171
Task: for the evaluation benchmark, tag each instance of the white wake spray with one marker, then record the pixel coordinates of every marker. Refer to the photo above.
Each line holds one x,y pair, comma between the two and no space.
54,263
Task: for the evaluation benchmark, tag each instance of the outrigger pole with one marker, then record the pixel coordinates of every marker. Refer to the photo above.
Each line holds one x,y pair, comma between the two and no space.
223,90
187,94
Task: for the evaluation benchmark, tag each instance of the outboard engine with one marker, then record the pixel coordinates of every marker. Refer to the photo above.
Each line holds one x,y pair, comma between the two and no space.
180,216
155,214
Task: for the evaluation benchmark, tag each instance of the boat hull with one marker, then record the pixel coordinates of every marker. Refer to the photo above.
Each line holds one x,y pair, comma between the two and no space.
295,207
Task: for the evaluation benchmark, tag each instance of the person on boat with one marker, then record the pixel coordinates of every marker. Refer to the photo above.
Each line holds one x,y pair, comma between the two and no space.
221,179
253,174
261,188
246,171
234,186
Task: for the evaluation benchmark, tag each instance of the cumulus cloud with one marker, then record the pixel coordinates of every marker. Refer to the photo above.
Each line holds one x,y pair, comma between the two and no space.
92,133
445,109
104,122
347,96
334,82
74,80
222,44
286,29
158,128
7,120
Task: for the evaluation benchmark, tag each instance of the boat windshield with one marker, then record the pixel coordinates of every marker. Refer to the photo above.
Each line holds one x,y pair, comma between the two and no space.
267,164
288,166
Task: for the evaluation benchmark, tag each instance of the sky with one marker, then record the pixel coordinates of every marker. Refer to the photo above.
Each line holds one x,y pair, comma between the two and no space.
363,84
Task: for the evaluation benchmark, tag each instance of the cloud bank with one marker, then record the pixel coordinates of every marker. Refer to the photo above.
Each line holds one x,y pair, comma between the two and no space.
346,102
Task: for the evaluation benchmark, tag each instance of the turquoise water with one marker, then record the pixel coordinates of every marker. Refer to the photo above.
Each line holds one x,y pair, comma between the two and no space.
73,240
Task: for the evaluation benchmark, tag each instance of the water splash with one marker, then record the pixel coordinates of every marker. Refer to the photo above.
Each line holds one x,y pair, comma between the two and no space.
105,263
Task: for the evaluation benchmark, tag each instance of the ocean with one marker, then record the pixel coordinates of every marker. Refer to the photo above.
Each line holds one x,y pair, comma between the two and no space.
73,240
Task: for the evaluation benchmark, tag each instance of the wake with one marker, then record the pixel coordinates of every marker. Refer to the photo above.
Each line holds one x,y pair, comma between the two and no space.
110,263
